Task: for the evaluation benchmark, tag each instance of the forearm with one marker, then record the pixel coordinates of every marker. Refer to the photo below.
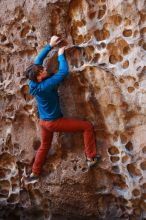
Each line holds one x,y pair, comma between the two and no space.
63,65
42,55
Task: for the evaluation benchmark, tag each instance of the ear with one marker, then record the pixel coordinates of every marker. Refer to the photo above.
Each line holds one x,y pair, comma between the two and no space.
39,77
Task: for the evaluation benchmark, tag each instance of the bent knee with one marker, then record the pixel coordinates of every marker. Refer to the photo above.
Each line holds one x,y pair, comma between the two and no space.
89,126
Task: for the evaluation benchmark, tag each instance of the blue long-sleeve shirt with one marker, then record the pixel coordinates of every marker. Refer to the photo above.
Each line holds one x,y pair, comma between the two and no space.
45,91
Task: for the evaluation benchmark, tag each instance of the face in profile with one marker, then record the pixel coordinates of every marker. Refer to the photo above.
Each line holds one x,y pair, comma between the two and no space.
43,74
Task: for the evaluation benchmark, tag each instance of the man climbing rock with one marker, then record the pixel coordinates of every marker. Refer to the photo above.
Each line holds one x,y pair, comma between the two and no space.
43,86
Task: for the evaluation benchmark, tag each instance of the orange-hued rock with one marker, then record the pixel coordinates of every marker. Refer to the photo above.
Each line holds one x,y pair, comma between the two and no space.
116,19
127,33
106,85
102,34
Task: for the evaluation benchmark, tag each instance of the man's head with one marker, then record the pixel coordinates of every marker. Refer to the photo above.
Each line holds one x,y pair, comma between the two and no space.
36,73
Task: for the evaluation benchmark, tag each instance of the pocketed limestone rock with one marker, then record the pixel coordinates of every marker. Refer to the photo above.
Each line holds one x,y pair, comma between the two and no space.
106,54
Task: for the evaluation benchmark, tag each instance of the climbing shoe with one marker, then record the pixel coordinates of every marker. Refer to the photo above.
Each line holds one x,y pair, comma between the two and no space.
91,162
32,178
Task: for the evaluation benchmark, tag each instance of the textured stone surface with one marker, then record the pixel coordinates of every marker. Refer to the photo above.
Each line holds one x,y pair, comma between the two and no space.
106,85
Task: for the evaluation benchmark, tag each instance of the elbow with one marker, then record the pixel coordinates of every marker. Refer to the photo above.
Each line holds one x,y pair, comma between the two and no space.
66,70
65,73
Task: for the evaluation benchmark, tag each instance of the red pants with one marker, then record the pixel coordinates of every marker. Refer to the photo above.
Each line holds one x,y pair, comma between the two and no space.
63,125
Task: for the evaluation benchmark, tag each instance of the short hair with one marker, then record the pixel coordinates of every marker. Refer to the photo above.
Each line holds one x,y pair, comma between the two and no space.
33,71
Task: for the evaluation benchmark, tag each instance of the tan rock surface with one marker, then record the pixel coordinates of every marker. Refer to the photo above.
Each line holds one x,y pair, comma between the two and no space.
106,85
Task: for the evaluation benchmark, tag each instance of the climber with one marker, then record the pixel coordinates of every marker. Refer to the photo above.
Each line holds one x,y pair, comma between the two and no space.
43,86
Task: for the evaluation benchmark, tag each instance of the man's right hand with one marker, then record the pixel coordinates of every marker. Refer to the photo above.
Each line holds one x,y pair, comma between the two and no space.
54,41
61,50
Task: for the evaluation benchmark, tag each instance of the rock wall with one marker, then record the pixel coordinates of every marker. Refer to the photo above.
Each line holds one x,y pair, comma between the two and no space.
106,85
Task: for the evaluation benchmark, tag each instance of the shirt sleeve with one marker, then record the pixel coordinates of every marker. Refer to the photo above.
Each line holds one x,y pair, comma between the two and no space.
40,58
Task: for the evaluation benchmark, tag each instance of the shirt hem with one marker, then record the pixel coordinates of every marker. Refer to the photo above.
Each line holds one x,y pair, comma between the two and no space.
51,119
